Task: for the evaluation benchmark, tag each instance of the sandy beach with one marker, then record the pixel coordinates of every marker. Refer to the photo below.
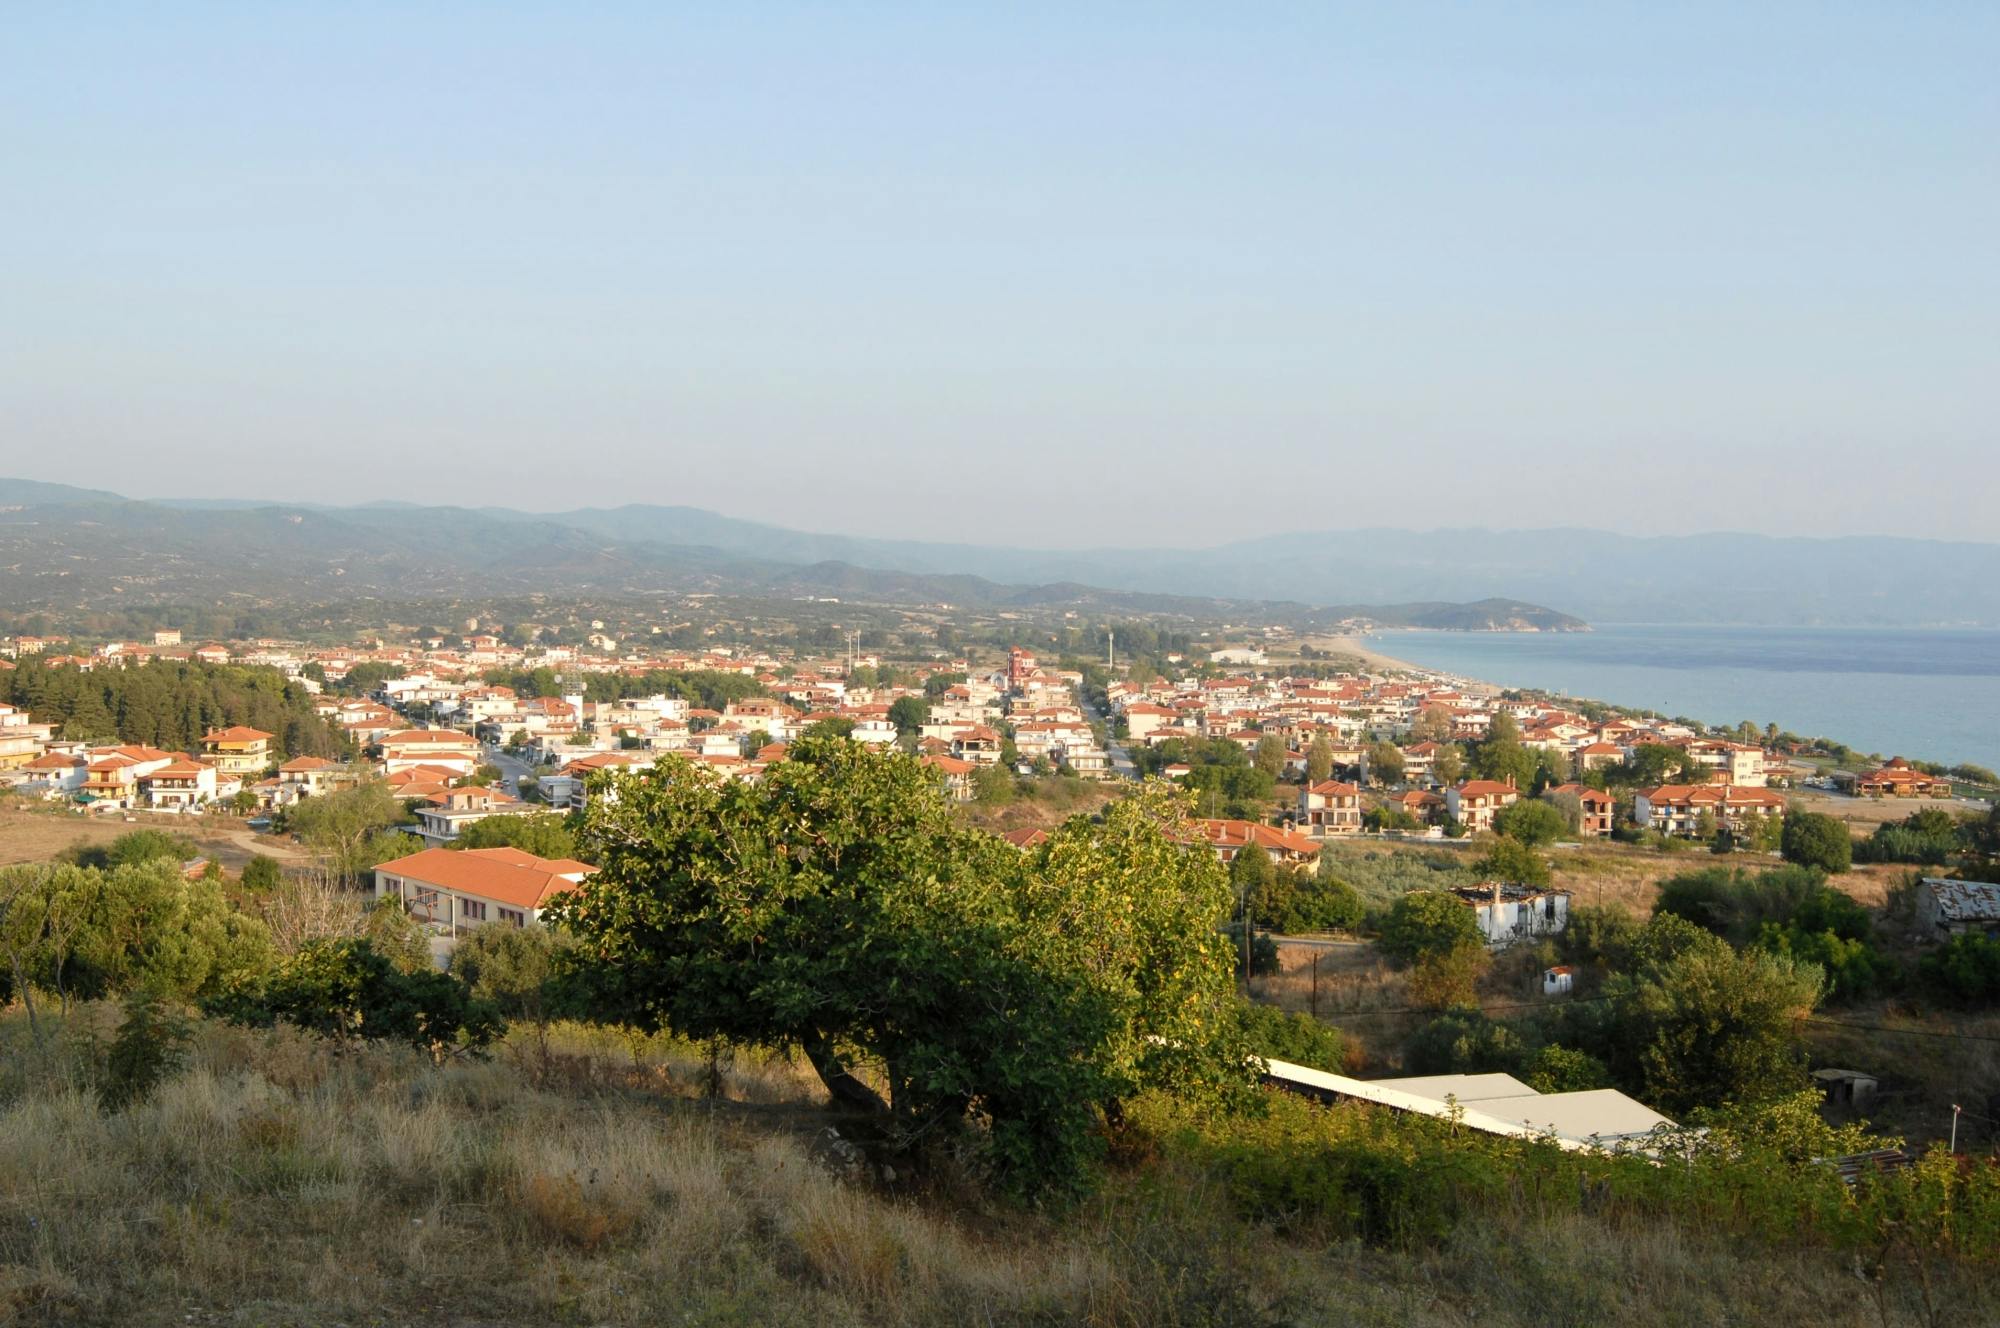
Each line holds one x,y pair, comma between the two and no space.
1368,654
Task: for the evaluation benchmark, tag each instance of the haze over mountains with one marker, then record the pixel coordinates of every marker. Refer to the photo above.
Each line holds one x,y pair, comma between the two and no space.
57,540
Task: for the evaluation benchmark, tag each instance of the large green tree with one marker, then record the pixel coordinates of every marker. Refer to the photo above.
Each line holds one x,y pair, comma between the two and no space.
89,933
1710,1026
1428,922
1531,821
930,973
1515,863
1814,840
345,827
544,834
1319,759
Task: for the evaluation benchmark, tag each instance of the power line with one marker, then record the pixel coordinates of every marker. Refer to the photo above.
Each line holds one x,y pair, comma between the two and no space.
1337,1017
1909,1032
1414,1009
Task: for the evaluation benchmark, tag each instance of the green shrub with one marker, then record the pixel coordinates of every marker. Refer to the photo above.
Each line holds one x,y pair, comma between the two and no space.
150,1044
262,874
1559,1069
1464,1042
1966,969
1813,840
1428,922
1298,1038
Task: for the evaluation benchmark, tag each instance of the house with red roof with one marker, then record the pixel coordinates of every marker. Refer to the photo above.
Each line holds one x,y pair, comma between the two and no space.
957,775
1474,803
238,750
310,776
445,748
1598,808
1899,779
180,785
443,816
452,891
1228,838
1678,809
1329,807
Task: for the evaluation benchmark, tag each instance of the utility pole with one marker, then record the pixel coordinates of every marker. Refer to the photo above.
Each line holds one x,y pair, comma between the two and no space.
1955,1109
1110,650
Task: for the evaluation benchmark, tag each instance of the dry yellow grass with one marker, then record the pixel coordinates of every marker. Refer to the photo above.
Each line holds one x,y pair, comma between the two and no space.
276,1182
36,834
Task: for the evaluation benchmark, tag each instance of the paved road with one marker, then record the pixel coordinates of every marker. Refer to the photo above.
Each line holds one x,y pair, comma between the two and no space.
1121,760
511,769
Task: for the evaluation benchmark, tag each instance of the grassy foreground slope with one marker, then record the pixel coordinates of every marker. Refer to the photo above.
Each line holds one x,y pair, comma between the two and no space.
278,1179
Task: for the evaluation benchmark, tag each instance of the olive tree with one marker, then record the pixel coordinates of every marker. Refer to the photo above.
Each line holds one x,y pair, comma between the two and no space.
931,973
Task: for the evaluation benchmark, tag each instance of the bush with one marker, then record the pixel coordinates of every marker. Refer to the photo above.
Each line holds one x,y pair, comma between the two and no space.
1297,1038
544,834
1294,901
1464,1042
261,874
1560,1069
1449,980
1967,969
149,1046
1264,959
1512,861
1598,937
1928,838
1531,821
1736,905
134,846
1428,922
1813,840
348,989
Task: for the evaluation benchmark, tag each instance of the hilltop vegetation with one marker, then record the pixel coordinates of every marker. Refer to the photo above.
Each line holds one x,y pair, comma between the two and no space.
829,1055
594,1179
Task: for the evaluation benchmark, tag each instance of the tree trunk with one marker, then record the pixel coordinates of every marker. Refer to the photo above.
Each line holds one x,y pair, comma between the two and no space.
845,1088
27,997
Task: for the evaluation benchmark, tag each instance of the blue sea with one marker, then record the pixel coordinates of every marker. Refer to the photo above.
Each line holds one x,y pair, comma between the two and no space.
1928,695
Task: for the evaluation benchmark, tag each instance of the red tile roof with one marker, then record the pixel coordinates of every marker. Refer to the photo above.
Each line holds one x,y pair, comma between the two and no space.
505,875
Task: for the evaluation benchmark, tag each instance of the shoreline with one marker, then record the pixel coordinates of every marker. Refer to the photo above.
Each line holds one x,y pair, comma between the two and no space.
1375,659
1918,746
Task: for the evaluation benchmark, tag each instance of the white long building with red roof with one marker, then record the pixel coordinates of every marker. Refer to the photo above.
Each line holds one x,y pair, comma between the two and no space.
453,891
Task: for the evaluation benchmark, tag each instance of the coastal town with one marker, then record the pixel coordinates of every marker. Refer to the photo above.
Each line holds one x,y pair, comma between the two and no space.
1369,748
1021,666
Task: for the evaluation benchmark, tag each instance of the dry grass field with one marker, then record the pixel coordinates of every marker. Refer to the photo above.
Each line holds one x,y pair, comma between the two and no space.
276,1180
35,834
1863,814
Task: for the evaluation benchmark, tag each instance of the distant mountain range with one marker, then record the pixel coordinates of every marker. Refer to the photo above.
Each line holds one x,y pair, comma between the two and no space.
1594,575
1597,575
64,547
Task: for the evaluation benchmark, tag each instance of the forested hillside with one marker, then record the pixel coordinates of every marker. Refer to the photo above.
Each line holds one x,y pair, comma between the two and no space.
169,704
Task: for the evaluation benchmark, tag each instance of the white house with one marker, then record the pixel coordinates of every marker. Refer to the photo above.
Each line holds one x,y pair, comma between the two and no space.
453,891
1509,913
447,748
442,817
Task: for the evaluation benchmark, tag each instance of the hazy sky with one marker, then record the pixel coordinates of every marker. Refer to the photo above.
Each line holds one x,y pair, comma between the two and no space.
1069,274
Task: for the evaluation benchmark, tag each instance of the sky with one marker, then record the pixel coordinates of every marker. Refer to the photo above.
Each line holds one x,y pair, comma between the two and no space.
1064,275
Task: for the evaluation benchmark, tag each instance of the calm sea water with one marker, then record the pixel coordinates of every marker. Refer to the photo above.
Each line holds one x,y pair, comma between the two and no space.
1931,695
